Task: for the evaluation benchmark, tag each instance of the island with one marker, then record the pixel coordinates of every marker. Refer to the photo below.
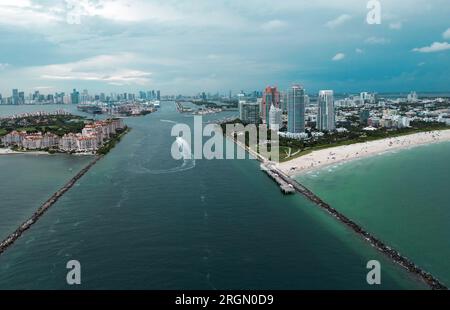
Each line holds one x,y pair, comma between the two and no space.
59,132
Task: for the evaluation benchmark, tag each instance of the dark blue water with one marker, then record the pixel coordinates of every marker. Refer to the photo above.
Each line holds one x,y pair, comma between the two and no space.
218,224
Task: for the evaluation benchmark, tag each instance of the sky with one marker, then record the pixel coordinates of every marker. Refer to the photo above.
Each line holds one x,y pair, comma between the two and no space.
186,47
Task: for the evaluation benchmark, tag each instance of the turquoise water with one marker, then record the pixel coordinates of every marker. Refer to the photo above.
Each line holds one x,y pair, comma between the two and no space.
402,198
219,224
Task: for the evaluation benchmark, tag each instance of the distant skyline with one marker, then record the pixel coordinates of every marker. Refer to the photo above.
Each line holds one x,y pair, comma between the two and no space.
186,47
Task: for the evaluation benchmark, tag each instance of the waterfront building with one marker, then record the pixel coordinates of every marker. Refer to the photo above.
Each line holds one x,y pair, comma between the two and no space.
92,137
68,143
271,97
275,122
14,138
86,143
32,141
325,114
296,109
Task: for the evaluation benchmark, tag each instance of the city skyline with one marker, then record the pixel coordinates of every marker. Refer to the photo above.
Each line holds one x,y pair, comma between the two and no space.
225,45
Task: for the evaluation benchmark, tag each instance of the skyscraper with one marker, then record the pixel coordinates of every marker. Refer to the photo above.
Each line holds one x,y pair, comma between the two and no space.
241,102
275,118
325,114
296,109
250,113
21,97
15,96
271,97
75,97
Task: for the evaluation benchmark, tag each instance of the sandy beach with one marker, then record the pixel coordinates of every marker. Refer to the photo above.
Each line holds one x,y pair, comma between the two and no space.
330,156
11,152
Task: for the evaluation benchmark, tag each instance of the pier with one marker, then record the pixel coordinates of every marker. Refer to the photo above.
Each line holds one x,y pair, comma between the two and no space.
9,241
285,187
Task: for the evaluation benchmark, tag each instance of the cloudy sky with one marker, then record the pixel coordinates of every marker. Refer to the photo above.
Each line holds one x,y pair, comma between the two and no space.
182,46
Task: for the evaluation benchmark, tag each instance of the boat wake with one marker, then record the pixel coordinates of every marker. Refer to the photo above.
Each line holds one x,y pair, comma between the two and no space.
168,121
187,157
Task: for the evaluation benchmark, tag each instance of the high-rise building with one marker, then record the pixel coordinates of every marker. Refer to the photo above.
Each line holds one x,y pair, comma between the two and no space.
84,96
283,101
241,102
15,96
158,95
296,109
275,118
142,95
250,113
75,97
271,97
326,120
364,116
21,97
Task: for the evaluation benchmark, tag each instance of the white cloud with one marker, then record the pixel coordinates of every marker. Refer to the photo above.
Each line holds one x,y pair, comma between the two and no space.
377,40
446,34
273,25
104,68
359,51
396,25
3,66
435,47
25,13
338,21
338,57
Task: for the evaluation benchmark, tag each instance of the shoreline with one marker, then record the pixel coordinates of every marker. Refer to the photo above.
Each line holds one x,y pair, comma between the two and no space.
6,151
341,154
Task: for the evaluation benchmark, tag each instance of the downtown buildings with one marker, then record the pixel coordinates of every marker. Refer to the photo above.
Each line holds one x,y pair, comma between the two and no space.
76,97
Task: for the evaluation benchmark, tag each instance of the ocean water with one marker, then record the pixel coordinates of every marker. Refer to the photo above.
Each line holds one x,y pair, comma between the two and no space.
141,220
402,197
